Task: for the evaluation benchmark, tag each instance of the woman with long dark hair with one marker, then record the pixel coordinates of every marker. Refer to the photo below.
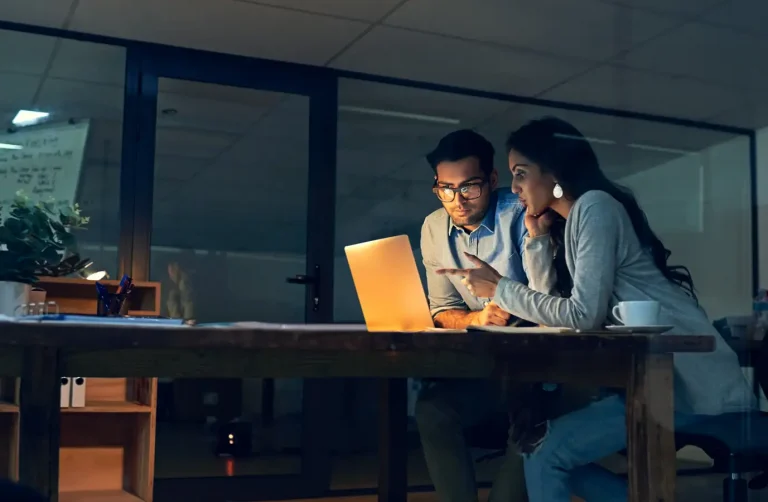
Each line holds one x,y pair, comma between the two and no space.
611,255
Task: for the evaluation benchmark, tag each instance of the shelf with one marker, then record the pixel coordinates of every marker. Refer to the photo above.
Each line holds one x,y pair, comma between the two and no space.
98,496
6,407
109,407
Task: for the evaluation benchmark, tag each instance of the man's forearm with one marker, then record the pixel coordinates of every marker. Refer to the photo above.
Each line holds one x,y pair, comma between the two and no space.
454,319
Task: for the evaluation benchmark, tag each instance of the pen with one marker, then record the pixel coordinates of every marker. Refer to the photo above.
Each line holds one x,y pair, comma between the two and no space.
123,283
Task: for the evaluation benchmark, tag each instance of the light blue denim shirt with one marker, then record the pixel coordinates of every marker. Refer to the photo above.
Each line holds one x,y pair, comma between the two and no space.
499,241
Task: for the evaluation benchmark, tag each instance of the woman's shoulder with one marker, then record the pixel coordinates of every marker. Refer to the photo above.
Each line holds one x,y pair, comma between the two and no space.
598,205
598,212
594,198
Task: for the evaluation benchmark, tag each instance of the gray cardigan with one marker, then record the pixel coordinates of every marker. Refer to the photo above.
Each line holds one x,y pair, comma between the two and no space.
608,265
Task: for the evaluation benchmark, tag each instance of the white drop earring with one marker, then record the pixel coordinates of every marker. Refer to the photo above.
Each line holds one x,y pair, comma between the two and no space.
557,191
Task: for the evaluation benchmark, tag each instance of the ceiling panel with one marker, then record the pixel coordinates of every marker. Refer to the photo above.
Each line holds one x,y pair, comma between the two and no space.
402,53
710,54
174,110
374,97
546,26
66,99
225,93
752,112
99,63
232,27
365,10
621,88
741,15
24,52
194,144
686,8
173,168
38,12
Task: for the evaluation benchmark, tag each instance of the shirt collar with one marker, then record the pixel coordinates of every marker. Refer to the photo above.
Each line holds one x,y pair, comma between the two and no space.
489,220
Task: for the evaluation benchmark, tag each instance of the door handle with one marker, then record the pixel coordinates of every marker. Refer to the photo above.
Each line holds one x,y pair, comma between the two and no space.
301,279
312,281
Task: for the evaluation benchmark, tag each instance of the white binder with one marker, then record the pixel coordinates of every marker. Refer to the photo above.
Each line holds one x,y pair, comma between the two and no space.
78,392
66,392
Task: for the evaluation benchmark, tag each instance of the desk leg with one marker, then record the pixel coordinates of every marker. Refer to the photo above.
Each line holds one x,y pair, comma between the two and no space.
650,429
393,439
39,415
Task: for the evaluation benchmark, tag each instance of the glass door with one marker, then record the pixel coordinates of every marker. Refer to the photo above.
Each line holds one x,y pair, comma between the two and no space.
235,237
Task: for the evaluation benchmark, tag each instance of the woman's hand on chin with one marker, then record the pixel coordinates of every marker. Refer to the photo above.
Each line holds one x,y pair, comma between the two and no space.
480,281
538,223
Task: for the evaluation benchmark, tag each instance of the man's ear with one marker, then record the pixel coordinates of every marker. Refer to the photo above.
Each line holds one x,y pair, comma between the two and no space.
493,179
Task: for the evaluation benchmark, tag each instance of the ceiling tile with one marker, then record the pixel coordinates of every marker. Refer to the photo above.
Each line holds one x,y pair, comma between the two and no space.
687,8
194,144
205,114
24,52
625,89
584,29
433,58
65,99
38,12
710,54
365,10
421,105
232,27
87,61
750,113
742,15
224,93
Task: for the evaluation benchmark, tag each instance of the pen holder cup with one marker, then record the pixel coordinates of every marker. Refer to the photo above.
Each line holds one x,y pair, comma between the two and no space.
104,308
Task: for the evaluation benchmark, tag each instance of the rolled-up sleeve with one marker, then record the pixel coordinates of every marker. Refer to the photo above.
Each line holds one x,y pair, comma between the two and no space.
441,292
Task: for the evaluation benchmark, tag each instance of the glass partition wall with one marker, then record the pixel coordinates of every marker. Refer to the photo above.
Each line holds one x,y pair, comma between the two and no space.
693,184
220,177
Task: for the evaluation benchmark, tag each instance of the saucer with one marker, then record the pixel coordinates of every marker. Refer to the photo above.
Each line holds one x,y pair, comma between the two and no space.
620,328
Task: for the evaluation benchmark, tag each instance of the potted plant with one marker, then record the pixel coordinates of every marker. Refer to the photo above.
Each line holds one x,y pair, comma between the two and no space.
36,240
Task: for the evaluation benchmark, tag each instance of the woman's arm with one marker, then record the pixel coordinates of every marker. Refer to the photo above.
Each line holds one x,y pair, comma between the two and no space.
597,233
538,263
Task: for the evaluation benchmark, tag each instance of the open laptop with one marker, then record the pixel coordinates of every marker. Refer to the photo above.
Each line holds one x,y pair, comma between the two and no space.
388,285
389,288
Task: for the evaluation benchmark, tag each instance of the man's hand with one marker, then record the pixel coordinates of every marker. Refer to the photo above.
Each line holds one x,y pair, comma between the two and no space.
538,224
491,315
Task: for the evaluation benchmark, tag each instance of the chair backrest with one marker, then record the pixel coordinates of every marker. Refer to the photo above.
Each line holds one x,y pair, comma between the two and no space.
760,362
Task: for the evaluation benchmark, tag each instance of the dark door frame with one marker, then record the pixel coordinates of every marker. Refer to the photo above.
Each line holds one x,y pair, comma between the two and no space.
145,66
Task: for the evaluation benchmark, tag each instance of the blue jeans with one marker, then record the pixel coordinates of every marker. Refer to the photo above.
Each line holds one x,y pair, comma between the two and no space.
563,465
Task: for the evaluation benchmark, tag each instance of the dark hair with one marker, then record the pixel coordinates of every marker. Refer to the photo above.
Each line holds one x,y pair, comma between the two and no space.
460,145
559,148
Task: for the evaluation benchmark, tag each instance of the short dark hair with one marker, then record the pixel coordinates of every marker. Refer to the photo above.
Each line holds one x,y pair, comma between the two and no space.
460,145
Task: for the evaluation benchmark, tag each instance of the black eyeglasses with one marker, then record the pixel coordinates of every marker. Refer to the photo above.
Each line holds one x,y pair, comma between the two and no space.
468,191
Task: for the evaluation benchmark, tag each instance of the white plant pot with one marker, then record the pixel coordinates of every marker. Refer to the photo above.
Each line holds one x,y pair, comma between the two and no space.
12,296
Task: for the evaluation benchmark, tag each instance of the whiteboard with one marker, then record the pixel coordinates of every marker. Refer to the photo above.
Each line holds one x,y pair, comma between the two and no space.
47,165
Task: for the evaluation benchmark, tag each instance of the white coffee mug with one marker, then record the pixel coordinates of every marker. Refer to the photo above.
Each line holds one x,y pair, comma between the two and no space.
639,313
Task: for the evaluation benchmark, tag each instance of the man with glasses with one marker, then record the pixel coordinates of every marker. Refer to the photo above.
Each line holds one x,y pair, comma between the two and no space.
480,219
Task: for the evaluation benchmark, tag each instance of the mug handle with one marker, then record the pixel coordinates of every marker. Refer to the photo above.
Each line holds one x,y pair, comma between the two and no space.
615,312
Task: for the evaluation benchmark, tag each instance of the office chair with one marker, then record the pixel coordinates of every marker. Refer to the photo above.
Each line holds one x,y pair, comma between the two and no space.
737,442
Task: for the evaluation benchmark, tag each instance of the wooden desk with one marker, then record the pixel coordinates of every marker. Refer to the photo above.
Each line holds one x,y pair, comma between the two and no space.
642,364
